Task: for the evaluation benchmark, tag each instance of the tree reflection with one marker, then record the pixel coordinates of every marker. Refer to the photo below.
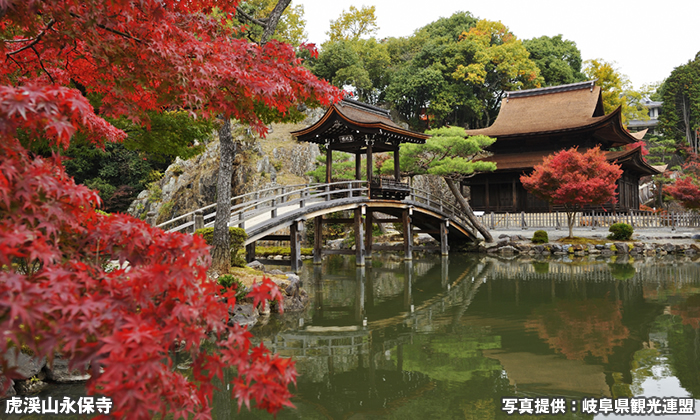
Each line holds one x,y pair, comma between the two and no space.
577,329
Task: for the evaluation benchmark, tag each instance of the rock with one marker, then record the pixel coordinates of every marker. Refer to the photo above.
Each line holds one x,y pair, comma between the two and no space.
29,387
26,365
244,315
256,265
556,248
606,253
59,372
669,248
696,236
539,249
502,242
502,236
10,391
336,244
600,247
508,250
294,284
622,248
276,272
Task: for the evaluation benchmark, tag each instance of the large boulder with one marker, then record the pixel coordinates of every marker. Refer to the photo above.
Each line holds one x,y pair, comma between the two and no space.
60,372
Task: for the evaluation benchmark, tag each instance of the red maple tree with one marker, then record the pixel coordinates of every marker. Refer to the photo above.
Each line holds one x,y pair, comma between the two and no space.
574,180
686,190
58,294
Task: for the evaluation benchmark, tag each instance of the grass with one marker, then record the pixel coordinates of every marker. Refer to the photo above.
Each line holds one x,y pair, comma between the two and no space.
248,276
577,240
265,251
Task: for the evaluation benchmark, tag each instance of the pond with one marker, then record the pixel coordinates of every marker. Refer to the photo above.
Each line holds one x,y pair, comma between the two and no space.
451,338
444,339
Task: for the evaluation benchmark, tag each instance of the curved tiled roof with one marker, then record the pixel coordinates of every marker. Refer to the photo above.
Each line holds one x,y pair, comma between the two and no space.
555,109
350,117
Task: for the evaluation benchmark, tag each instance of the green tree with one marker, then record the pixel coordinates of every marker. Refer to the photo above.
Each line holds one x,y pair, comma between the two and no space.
361,63
617,90
558,59
456,70
680,113
353,24
498,63
450,154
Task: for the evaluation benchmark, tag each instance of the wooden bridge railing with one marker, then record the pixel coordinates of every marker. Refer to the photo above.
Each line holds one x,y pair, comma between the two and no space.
279,200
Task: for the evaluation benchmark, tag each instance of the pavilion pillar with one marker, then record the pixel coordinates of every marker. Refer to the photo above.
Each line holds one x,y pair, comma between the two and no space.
369,221
359,238
358,166
407,235
397,166
329,163
369,164
318,240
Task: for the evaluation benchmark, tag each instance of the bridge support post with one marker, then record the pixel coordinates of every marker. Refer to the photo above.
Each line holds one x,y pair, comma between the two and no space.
318,240
444,247
407,284
369,221
295,245
359,238
444,271
359,294
250,252
407,234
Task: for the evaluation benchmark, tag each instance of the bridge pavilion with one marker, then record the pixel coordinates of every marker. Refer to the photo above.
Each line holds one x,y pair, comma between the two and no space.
361,129
535,123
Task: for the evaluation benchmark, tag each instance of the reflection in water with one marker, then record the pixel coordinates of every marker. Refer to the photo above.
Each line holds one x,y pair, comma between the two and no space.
425,339
580,328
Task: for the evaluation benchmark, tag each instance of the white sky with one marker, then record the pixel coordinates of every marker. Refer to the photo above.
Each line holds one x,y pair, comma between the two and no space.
646,39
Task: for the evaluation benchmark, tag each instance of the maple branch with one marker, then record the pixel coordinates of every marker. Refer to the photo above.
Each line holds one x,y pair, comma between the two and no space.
114,31
41,62
34,41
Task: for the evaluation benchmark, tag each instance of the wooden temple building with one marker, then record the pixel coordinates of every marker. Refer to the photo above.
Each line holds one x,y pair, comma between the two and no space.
535,123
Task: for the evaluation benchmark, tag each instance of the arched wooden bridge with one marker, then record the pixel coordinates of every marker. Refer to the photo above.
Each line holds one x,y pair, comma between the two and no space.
264,213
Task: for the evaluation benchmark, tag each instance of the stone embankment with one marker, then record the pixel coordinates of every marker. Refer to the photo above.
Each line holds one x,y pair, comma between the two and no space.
641,245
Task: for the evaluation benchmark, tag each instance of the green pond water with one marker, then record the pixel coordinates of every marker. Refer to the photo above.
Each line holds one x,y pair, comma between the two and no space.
448,339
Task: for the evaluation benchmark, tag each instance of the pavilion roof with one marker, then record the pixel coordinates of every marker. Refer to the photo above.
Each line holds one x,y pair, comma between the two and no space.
557,109
525,161
348,125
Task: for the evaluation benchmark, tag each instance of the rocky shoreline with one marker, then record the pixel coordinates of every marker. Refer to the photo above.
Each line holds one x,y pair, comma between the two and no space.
642,245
